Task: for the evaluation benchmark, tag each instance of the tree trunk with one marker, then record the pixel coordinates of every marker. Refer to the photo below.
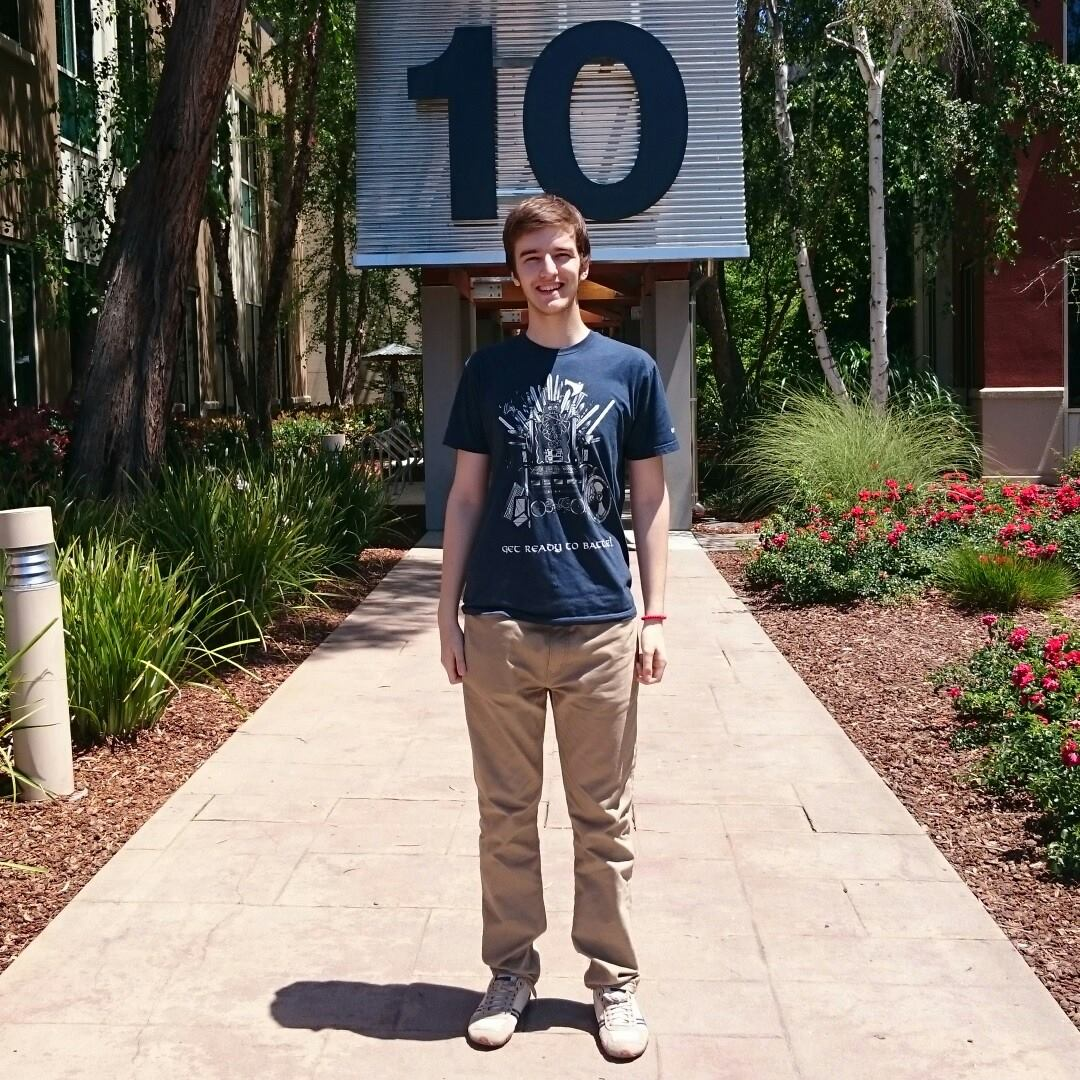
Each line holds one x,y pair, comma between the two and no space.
359,337
747,36
120,431
288,223
713,312
330,337
220,234
879,289
341,272
786,133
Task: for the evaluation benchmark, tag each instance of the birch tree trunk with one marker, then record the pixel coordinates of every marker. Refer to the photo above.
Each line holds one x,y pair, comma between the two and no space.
784,130
874,78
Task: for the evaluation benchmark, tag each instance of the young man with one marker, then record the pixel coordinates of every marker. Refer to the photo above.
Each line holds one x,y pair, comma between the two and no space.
544,425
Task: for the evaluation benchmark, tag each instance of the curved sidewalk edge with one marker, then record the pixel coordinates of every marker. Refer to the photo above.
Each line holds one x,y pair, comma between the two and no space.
307,904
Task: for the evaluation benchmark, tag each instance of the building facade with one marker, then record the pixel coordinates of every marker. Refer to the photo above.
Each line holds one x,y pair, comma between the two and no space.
61,61
1007,337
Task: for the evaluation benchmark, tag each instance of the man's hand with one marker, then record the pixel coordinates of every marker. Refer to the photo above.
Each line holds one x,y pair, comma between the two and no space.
453,649
652,656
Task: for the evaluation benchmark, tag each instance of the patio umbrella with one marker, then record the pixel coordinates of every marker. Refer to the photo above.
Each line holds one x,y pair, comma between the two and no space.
394,353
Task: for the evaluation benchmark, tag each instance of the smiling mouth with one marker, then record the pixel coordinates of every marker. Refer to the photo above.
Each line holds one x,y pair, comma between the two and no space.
549,288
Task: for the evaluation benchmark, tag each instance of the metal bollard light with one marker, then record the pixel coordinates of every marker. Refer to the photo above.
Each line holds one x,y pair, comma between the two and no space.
39,697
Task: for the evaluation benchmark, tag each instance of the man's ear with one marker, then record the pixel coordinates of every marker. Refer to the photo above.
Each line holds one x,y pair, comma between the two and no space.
585,265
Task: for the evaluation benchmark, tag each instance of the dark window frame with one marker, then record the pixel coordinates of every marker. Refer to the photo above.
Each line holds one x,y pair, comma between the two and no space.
11,392
249,173
79,122
11,21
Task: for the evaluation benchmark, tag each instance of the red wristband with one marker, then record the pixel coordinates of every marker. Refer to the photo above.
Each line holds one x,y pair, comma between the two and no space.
653,618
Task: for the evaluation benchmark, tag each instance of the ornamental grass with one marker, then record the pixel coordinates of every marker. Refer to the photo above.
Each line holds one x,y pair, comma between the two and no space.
819,449
1003,580
133,634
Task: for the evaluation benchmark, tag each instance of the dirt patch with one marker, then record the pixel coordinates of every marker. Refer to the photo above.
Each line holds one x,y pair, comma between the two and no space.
119,787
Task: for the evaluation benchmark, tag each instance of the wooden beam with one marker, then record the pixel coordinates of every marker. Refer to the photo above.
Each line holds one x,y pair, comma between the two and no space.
512,295
664,271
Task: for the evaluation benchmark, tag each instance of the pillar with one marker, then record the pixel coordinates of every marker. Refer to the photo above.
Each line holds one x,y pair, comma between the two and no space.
675,358
447,327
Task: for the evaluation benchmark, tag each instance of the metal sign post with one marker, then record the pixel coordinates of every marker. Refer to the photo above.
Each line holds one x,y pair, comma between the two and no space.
33,627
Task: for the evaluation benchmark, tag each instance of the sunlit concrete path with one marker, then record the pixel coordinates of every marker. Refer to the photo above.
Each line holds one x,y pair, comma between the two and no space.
307,905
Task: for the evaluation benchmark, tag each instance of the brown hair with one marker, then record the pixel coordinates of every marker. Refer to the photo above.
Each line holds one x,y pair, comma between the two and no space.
541,212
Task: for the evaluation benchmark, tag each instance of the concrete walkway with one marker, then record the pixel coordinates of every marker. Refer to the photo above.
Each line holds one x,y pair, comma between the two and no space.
307,905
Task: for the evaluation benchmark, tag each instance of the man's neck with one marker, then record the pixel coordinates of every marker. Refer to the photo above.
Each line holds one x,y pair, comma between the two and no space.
557,331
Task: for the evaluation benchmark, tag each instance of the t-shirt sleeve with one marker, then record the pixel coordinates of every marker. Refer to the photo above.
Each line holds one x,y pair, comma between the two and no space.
652,431
465,429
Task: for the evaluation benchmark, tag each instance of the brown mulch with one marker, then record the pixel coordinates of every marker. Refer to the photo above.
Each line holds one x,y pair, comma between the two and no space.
119,787
868,663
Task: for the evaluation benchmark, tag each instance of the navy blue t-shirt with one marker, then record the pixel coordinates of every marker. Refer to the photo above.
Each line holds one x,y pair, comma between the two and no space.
559,426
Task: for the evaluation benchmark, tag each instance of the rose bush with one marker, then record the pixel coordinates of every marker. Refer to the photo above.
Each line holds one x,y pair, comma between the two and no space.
892,538
1019,696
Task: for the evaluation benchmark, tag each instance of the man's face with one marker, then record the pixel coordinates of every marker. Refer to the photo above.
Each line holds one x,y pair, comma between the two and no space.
549,268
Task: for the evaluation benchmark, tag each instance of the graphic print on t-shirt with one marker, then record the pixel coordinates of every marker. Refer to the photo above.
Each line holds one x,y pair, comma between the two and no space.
555,427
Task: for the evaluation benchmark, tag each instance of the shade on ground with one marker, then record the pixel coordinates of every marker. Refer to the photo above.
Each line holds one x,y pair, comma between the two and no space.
307,905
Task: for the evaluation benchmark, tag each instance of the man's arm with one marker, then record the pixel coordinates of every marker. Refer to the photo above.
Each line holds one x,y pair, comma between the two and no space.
463,510
651,514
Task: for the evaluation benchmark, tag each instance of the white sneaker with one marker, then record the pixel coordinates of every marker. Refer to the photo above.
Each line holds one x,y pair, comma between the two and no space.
500,1009
623,1031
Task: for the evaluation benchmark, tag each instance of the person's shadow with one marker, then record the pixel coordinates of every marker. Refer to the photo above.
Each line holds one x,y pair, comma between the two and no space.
417,1011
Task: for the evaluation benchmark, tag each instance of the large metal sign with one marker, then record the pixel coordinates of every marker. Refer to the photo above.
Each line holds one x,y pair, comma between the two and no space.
628,109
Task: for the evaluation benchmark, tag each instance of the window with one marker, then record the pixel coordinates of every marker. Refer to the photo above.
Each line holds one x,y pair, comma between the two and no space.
133,83
1072,31
9,20
18,328
1072,327
75,61
250,346
186,376
966,327
281,379
223,386
249,167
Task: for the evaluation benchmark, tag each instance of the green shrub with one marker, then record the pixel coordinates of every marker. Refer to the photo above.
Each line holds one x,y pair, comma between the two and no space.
816,449
1070,467
1065,532
132,634
251,538
355,504
1002,581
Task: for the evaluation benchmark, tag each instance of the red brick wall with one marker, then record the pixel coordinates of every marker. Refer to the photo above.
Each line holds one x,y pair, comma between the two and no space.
1023,322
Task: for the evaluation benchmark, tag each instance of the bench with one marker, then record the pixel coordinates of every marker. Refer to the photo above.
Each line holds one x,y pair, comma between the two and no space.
397,452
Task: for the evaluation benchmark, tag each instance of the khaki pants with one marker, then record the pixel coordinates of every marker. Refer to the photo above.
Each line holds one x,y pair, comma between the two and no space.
588,671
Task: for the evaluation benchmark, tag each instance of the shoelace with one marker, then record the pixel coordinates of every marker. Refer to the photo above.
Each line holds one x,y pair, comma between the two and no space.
500,994
618,1007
